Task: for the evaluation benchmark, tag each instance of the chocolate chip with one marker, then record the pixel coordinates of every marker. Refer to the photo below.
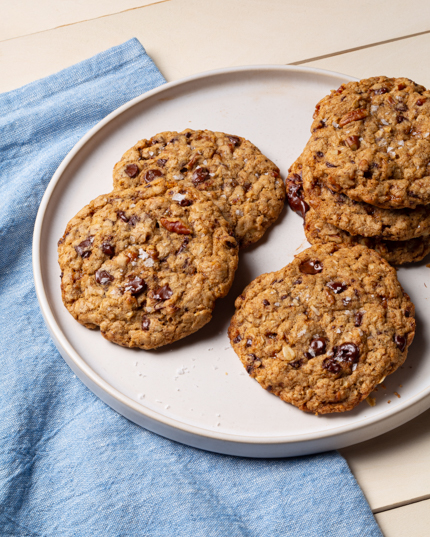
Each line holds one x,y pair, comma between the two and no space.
172,141
123,216
252,356
150,175
183,245
108,249
249,369
145,323
295,195
103,277
331,365
85,247
401,107
162,162
185,203
234,140
367,174
184,170
317,346
337,287
420,102
347,352
330,165
407,313
296,364
230,244
266,302
163,293
135,285
297,282
200,175
283,297
358,318
188,135
133,220
311,266
271,335
400,341
400,118
237,339
319,154
248,342
132,170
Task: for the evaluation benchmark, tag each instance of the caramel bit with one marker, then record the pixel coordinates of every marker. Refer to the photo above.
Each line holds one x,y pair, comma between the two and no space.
175,226
389,401
398,395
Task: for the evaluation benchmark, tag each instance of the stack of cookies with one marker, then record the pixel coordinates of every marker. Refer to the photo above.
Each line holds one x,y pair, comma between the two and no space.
364,175
147,262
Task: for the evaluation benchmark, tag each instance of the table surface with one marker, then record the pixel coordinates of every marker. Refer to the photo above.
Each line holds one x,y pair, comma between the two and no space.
184,37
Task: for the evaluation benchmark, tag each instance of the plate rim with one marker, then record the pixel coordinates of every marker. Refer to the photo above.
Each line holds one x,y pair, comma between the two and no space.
96,383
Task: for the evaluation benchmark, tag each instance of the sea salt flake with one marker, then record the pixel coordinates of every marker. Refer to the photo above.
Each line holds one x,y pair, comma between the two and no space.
315,310
151,153
178,177
239,213
384,122
335,125
149,262
178,197
354,367
277,304
133,205
373,108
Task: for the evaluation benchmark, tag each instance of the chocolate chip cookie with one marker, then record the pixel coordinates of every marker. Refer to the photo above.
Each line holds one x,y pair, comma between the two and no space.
323,331
371,141
357,218
318,231
241,181
147,264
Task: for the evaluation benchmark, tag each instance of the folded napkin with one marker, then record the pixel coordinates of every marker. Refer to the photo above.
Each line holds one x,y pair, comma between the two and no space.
71,466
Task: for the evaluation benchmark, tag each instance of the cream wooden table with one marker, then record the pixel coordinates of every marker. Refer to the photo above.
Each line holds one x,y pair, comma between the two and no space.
361,38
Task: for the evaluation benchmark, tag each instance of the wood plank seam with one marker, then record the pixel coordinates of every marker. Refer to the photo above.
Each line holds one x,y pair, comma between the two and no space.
86,20
332,54
401,504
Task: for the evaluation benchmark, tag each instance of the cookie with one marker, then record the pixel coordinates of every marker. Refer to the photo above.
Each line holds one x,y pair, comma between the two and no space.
242,182
147,264
318,231
359,218
322,332
371,141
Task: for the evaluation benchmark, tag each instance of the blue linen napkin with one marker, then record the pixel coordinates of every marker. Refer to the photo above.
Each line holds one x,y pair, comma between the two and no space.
71,466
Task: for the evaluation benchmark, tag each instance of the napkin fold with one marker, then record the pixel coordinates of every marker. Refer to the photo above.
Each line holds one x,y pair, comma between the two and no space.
71,466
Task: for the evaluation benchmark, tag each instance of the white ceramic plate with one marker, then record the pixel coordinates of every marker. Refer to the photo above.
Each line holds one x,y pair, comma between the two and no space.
196,391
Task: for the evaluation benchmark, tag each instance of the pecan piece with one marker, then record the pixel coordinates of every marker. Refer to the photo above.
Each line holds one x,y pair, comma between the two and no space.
175,226
354,115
